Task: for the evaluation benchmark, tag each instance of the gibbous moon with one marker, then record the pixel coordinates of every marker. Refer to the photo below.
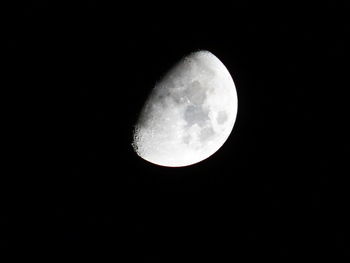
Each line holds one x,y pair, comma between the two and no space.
189,114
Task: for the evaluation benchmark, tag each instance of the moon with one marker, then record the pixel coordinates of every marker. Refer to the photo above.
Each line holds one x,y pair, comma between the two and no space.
189,114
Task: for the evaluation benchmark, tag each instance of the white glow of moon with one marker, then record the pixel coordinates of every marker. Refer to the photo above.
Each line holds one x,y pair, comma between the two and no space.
189,114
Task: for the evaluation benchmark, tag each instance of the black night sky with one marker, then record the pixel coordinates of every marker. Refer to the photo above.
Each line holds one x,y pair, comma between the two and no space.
81,73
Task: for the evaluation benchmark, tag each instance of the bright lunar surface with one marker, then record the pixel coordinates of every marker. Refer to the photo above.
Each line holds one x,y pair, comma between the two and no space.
189,114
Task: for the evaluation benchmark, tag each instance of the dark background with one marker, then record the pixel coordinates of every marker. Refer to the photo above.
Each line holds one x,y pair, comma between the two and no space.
80,73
